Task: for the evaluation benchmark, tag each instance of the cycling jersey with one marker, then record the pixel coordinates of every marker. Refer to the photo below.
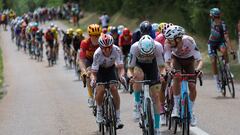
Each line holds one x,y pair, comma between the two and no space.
135,55
87,49
125,40
217,32
76,42
160,38
189,49
99,60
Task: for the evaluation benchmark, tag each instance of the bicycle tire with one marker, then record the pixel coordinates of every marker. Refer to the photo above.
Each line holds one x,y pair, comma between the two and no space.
222,81
230,84
150,124
186,118
111,117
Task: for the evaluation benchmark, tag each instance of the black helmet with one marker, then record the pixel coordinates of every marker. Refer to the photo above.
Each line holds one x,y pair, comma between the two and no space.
114,30
145,27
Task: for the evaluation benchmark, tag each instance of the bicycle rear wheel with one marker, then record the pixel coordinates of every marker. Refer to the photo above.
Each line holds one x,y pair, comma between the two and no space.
186,118
230,83
150,124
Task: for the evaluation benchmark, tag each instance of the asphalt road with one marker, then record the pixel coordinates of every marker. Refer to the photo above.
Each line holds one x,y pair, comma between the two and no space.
50,101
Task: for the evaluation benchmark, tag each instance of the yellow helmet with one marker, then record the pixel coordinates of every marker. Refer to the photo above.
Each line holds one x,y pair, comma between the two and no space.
70,31
53,29
161,26
109,28
94,29
79,32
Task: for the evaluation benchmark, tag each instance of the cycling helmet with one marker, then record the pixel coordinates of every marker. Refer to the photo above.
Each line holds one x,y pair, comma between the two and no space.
120,29
53,29
104,30
215,12
114,30
70,31
174,32
94,29
79,32
161,26
105,40
51,25
155,27
126,32
145,27
146,45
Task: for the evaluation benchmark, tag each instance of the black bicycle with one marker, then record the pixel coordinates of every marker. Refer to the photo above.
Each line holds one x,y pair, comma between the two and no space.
225,76
109,112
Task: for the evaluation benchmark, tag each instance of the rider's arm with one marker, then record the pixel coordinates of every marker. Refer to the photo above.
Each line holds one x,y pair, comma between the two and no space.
132,60
199,64
82,60
119,63
228,42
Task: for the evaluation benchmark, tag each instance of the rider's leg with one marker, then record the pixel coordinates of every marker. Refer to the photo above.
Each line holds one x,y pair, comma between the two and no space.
155,94
99,100
138,73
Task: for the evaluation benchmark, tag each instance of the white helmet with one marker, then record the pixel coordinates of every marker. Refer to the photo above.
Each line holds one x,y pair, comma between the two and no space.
146,45
173,32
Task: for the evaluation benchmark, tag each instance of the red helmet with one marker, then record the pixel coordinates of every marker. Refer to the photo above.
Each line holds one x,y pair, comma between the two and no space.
105,40
126,32
104,30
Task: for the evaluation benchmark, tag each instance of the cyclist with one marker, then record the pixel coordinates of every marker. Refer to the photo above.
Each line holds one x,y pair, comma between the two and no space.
218,40
124,42
105,61
146,62
55,42
114,34
49,37
181,52
87,49
104,20
77,39
67,41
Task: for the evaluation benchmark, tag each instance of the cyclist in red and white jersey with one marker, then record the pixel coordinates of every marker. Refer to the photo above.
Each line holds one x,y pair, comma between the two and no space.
106,59
181,52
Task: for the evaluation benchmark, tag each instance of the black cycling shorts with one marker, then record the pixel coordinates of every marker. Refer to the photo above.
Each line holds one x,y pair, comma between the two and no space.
106,74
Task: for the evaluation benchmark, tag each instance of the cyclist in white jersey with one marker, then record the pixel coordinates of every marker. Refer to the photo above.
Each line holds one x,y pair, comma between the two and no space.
106,59
181,52
146,63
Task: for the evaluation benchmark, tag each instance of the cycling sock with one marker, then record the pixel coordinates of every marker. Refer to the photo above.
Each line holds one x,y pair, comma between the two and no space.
156,120
176,100
90,93
137,96
191,104
117,113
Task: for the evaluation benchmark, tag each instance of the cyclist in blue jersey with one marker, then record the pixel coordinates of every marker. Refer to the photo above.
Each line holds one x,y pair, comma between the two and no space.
218,40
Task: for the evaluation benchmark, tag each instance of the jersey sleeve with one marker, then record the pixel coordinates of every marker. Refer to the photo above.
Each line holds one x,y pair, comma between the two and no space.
119,59
167,52
83,48
132,56
96,59
195,50
159,54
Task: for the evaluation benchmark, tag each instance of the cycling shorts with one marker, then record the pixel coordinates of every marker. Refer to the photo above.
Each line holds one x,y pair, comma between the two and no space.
213,47
106,74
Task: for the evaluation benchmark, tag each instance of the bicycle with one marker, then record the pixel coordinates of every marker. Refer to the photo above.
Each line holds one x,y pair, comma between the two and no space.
225,77
109,112
185,107
146,109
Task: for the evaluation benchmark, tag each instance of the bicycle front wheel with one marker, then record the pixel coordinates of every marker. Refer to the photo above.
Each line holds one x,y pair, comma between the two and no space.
186,119
150,124
230,84
112,117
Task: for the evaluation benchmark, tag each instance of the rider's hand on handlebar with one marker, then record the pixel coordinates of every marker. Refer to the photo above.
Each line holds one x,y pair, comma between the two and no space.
93,83
198,73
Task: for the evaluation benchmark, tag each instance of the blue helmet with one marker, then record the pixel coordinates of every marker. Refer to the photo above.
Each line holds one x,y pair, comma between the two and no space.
215,12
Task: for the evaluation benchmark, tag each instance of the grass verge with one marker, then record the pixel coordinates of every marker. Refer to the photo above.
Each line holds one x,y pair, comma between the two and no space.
1,74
